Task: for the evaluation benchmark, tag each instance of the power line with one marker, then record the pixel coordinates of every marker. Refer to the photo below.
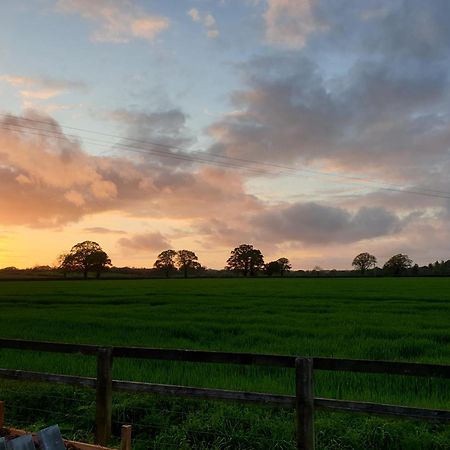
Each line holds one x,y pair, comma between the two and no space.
227,161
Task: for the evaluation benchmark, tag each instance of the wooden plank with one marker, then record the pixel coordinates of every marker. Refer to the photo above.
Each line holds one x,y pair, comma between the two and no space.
103,416
24,375
385,367
44,346
382,409
2,414
205,356
304,403
125,437
77,445
287,401
83,446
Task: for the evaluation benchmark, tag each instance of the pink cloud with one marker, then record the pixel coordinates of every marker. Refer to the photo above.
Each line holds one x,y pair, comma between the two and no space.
118,20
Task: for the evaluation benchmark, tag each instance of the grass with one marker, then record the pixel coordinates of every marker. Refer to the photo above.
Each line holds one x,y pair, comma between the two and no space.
404,319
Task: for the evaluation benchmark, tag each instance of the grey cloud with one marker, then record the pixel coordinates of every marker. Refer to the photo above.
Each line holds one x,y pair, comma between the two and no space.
145,242
315,223
163,133
377,107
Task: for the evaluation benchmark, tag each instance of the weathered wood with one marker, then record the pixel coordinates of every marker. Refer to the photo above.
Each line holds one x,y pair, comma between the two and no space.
385,367
304,403
125,441
103,416
382,409
47,377
351,365
43,346
15,432
205,356
2,414
205,393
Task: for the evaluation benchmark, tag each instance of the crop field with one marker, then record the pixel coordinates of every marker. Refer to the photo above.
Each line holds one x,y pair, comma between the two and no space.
399,319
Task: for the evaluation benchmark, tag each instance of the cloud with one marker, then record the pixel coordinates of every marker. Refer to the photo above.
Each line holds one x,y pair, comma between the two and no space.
376,106
290,22
40,88
207,20
102,230
163,134
119,21
48,180
313,223
147,242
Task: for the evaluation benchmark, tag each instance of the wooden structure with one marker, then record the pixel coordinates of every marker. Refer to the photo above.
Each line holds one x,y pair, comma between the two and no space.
73,445
304,400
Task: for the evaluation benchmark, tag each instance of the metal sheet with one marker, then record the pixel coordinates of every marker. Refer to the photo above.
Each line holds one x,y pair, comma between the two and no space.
50,438
21,443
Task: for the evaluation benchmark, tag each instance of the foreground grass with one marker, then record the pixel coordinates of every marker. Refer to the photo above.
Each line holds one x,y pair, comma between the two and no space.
392,319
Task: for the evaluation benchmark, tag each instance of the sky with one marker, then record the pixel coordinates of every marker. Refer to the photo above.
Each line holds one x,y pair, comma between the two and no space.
312,129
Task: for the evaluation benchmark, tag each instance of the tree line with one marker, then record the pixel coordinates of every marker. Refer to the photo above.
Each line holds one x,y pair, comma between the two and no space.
88,258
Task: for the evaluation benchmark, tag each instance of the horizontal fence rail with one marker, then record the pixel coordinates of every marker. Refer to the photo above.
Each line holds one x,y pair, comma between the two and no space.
304,401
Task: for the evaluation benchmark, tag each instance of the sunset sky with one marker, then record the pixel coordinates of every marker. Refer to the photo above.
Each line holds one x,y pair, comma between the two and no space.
312,129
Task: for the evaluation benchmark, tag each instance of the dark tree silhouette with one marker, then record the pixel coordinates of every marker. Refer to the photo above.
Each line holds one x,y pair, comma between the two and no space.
245,259
85,257
364,261
272,268
166,262
186,260
280,266
285,265
397,264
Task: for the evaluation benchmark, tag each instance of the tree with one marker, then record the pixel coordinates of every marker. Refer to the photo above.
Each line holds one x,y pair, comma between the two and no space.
85,257
397,264
364,261
186,260
272,268
285,265
245,259
279,266
166,262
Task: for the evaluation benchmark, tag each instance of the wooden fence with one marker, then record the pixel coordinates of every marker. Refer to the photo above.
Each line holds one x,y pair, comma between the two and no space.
304,401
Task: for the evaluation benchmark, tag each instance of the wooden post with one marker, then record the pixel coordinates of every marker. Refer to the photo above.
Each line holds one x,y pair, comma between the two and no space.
304,403
104,397
125,442
2,414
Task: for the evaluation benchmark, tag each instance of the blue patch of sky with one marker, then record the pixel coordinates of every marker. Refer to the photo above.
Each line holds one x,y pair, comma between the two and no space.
181,68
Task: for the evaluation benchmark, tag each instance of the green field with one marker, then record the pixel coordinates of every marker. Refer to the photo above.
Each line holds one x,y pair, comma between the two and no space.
400,319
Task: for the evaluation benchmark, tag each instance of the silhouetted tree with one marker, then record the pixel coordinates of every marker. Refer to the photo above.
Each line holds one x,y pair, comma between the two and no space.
397,264
285,265
85,257
245,259
186,260
364,261
166,262
272,267
280,266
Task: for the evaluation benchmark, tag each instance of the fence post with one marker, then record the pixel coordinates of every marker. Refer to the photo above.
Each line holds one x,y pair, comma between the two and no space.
2,414
304,403
103,416
125,441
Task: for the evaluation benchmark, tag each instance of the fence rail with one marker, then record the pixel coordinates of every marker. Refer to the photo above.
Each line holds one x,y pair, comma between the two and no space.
304,401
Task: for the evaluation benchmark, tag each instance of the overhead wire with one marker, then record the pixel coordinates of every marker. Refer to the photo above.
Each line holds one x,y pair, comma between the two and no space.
147,147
